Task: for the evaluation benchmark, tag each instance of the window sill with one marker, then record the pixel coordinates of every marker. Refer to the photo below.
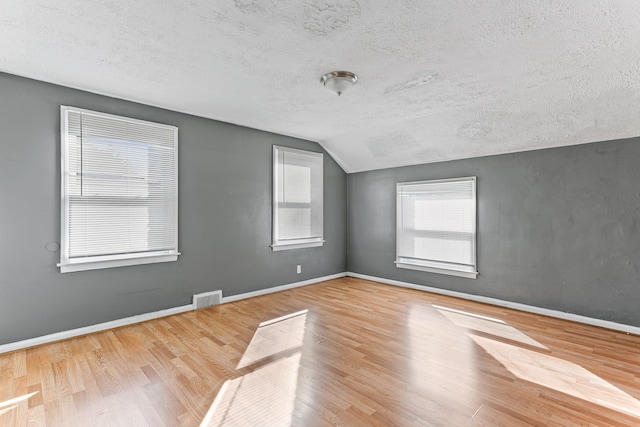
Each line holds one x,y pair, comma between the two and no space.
288,246
96,263
458,273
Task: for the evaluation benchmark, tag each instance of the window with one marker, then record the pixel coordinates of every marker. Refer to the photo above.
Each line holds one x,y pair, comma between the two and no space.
436,226
119,191
297,199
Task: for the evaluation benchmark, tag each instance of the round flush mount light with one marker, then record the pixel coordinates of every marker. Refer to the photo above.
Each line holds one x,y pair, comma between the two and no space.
339,81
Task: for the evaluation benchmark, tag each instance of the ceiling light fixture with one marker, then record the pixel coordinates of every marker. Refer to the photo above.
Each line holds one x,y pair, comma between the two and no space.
339,81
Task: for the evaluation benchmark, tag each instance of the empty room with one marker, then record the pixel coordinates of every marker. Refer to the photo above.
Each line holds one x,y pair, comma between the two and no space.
319,213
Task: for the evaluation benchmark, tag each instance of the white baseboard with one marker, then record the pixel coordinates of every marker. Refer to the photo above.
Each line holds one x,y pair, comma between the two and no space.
31,342
508,304
281,288
18,345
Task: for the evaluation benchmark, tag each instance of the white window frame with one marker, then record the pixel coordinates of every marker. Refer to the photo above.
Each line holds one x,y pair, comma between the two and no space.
68,264
313,241
431,266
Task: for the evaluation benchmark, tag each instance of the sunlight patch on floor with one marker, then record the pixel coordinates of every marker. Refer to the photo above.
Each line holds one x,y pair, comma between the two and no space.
7,409
488,325
466,313
264,397
453,348
275,336
11,404
17,399
559,375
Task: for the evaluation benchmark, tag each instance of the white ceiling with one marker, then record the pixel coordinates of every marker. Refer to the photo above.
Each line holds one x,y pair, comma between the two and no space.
439,80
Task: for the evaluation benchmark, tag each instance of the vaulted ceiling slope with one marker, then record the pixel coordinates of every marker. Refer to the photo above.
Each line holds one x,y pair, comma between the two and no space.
439,80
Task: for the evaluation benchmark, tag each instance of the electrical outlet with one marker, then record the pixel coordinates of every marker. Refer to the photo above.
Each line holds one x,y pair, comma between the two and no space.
299,269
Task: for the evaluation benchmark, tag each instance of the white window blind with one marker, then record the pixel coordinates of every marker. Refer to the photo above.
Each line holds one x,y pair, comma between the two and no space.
119,190
436,226
297,198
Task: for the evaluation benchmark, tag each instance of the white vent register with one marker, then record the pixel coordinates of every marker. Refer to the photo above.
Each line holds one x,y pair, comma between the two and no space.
207,299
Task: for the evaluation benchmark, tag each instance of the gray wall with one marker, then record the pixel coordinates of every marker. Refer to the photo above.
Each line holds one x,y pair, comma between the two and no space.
224,223
557,228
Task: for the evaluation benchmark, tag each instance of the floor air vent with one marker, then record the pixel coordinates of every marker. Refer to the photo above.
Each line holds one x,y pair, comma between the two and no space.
207,299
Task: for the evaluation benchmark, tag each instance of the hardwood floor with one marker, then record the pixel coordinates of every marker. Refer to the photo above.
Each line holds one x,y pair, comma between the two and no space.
348,352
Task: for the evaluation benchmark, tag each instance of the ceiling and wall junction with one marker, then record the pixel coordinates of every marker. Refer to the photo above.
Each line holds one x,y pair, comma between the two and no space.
438,80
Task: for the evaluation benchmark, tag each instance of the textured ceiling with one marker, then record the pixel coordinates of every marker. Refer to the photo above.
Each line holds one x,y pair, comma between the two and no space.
439,80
